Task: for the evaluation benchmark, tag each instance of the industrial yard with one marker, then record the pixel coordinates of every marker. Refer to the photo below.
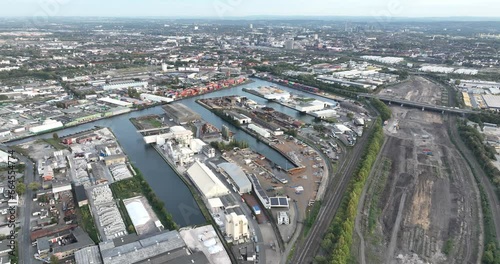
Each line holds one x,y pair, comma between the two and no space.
422,203
418,89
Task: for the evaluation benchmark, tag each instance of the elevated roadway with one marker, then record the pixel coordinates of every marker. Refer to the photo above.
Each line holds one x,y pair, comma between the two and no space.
423,106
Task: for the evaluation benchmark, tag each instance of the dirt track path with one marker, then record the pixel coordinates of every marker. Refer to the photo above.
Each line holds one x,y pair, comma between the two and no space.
395,230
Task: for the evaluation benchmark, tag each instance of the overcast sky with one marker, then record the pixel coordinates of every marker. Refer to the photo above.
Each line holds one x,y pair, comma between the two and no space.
230,8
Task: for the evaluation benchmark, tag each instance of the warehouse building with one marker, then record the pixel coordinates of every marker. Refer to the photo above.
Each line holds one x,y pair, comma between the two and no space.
259,130
156,98
165,247
206,181
115,102
124,85
492,101
238,177
180,113
88,255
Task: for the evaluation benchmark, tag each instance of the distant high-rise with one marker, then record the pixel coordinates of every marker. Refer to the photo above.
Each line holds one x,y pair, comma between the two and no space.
289,44
315,36
251,26
164,67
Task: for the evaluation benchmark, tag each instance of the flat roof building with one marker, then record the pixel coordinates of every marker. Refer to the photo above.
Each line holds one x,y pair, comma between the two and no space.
115,102
180,113
136,249
238,177
88,255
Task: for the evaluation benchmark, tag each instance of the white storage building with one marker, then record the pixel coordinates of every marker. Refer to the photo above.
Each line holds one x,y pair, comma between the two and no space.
155,98
238,177
206,181
260,130
47,125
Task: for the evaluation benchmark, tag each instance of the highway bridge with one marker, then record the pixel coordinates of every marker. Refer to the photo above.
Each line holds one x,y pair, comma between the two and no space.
423,106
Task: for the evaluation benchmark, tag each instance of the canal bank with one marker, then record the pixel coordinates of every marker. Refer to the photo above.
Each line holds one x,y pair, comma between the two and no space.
169,188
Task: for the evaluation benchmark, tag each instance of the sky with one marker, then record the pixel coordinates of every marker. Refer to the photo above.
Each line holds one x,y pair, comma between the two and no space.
225,9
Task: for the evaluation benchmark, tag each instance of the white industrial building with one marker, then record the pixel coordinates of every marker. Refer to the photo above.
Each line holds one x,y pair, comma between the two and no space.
327,113
177,133
259,130
236,226
206,181
124,85
115,102
238,177
313,106
137,212
47,125
155,98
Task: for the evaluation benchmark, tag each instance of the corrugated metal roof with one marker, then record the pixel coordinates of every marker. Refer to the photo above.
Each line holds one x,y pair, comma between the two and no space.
236,173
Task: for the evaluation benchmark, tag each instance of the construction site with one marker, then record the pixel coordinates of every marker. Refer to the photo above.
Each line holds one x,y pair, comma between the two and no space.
418,89
421,204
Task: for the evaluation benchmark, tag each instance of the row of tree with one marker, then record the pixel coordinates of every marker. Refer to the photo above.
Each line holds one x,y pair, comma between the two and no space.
484,153
383,109
221,146
338,238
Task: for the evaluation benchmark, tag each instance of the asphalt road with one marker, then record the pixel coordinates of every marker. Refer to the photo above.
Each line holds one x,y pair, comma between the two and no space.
306,251
26,251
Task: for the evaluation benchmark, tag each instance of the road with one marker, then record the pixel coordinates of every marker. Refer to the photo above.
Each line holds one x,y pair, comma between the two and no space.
26,251
306,251
426,106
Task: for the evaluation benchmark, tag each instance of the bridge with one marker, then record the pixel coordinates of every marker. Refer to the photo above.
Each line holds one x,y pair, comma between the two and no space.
423,106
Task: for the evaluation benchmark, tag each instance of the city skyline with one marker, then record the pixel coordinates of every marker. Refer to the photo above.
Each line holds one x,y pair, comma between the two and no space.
238,8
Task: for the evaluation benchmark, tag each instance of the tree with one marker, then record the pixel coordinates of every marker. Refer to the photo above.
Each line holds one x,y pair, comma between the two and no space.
34,186
131,229
54,260
20,188
55,136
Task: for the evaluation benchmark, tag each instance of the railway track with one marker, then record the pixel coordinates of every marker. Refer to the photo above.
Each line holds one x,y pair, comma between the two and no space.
307,250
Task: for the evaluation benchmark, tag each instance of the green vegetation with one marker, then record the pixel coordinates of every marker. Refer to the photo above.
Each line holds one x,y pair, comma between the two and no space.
221,114
221,146
88,223
383,109
14,257
3,97
132,92
56,143
137,185
484,153
34,186
292,132
20,188
485,117
378,186
448,247
491,254
155,123
54,260
338,238
311,217
126,217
